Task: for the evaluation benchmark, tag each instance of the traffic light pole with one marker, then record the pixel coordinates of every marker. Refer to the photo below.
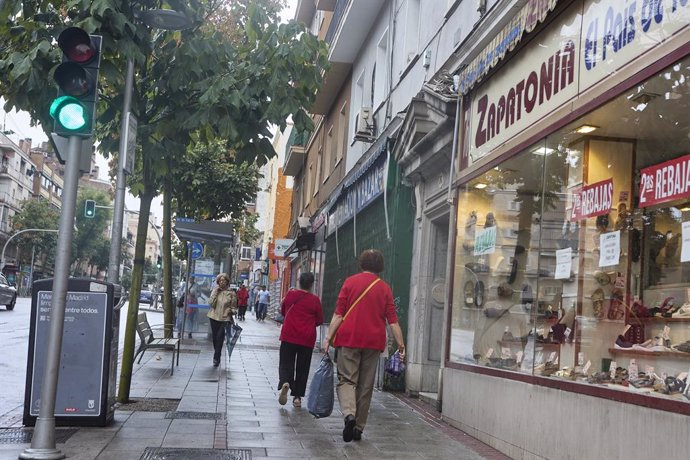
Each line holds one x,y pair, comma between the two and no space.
43,445
119,204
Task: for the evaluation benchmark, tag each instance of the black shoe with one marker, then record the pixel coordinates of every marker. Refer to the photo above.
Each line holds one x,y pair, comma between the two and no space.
356,435
348,431
216,362
189,335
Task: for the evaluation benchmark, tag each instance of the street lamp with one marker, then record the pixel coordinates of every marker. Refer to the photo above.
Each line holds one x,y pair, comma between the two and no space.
160,19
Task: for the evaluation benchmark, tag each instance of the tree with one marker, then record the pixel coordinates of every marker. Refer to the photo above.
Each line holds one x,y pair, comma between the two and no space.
194,86
39,214
89,237
209,184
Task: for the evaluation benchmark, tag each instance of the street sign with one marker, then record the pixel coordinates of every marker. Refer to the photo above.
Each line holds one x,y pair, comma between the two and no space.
197,250
131,142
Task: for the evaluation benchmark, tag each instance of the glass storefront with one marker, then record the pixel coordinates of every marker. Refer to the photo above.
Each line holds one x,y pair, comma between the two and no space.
572,258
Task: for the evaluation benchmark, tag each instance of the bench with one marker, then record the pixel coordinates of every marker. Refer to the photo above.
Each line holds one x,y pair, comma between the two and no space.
149,342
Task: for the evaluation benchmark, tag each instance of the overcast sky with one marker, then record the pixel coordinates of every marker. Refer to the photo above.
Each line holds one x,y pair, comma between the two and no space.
20,123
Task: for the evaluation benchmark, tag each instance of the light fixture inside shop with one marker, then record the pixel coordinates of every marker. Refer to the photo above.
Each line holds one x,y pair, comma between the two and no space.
542,151
480,186
585,129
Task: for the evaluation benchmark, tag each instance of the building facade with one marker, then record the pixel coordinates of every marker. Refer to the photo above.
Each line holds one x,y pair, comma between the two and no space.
568,284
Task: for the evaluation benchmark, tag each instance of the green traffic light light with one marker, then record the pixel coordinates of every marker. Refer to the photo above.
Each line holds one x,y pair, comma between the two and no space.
68,112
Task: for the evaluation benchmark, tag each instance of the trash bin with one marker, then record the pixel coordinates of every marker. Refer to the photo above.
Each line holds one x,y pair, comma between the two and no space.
88,363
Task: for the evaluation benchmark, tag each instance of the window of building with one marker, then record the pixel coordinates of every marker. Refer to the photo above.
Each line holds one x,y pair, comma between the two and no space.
380,75
317,173
328,154
309,187
411,31
595,286
342,130
358,100
246,253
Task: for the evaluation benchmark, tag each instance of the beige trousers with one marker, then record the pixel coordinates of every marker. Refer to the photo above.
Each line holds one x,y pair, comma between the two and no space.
356,374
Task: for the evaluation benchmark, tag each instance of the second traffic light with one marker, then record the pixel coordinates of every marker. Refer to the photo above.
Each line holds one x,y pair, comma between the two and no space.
89,209
159,262
74,109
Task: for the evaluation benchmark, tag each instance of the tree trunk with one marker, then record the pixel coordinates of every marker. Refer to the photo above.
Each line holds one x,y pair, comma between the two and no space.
133,310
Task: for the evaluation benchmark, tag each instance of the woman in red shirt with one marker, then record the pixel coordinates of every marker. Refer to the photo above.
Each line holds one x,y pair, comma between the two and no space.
358,328
302,312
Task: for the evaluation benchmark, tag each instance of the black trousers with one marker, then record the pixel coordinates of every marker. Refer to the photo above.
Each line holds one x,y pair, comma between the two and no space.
242,311
294,367
218,337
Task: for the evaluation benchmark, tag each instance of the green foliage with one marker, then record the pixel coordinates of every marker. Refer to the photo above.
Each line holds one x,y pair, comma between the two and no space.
245,228
209,184
90,238
42,215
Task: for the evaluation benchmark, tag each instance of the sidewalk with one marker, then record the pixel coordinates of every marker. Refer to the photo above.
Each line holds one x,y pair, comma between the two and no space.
233,410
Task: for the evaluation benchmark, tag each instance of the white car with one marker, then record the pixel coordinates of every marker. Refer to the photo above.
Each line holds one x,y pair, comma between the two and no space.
8,293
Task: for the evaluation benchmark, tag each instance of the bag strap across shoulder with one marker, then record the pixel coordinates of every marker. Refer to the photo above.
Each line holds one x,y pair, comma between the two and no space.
354,304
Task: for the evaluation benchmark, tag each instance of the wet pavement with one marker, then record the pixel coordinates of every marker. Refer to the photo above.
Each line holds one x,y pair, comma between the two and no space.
232,412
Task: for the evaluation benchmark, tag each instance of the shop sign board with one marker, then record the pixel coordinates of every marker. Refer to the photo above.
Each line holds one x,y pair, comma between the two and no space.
592,200
527,89
359,196
525,21
615,33
667,181
590,41
281,245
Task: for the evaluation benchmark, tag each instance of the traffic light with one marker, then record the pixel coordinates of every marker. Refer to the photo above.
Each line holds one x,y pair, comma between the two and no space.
89,209
159,262
74,108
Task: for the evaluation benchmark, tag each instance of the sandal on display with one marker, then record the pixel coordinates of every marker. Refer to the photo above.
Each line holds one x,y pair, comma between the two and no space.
598,303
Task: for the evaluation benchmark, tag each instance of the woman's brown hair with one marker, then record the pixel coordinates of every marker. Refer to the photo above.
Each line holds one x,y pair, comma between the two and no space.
371,260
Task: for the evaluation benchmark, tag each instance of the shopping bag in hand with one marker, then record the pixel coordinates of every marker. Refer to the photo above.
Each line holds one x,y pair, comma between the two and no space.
320,401
232,333
395,365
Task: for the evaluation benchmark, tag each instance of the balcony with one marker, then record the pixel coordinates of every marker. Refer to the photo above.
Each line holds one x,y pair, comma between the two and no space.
295,152
350,26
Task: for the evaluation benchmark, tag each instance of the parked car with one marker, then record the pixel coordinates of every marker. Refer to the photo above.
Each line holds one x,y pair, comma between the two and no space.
8,294
146,297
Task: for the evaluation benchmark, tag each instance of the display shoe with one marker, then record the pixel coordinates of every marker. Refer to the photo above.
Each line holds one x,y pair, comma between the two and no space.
282,398
357,435
349,430
622,343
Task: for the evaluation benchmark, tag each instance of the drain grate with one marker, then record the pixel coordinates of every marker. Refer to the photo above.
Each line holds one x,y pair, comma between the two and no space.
189,352
196,415
170,453
150,405
24,435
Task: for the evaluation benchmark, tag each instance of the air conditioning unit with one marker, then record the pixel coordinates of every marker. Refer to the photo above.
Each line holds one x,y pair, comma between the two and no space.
364,124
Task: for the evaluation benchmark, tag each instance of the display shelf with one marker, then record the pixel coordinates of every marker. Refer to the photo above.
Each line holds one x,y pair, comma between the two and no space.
661,319
631,352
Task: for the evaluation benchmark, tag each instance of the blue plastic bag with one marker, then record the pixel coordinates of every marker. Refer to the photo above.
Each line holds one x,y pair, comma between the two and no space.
395,365
321,397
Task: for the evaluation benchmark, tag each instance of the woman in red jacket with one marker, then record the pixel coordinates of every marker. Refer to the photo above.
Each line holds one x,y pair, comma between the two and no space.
358,328
302,312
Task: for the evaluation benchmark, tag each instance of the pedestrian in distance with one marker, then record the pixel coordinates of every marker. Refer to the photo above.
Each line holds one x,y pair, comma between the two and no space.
302,314
191,304
223,303
263,298
242,300
358,331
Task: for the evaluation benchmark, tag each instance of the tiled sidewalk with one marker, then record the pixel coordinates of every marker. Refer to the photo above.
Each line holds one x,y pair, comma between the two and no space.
235,407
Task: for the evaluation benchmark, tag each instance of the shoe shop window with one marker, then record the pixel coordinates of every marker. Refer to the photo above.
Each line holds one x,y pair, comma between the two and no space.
572,258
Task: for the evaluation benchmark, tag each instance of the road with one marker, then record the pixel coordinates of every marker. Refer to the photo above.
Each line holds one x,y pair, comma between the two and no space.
14,345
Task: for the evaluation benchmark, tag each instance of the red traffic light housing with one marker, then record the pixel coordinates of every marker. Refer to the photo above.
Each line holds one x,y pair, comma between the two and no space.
74,109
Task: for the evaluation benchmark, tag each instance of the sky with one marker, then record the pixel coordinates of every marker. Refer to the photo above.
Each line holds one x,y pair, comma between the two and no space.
20,123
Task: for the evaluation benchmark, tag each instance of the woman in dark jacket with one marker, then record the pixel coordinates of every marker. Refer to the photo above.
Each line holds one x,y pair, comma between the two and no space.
302,312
